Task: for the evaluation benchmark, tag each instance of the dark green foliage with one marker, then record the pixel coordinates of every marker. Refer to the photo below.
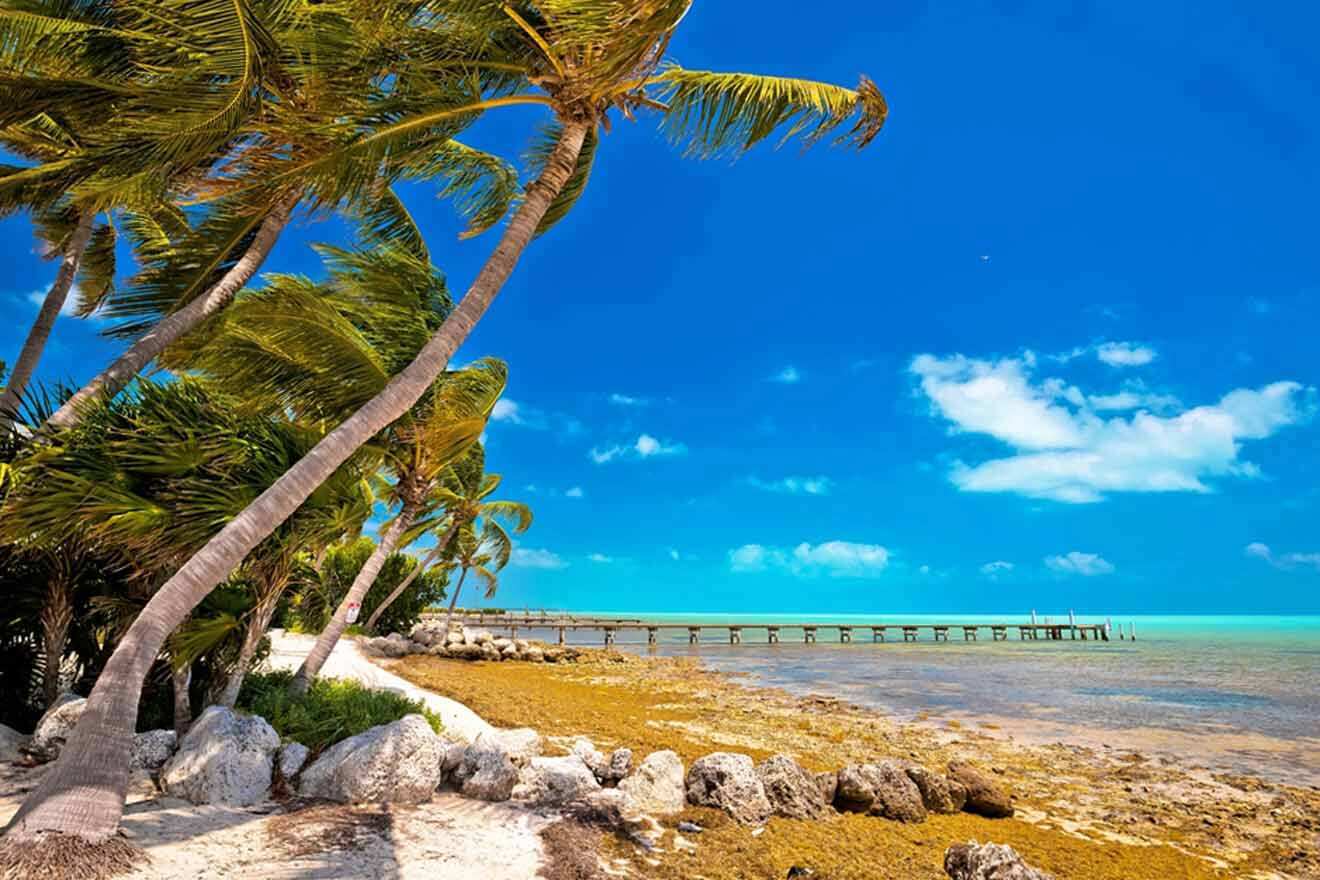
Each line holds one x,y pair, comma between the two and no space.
317,596
331,710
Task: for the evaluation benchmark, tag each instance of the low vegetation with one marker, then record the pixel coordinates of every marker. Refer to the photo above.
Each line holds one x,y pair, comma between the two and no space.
330,711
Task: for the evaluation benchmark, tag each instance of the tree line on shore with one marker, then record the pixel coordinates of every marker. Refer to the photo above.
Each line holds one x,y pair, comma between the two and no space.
153,529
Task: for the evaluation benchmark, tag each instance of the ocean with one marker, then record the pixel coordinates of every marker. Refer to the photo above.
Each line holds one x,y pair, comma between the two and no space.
1234,693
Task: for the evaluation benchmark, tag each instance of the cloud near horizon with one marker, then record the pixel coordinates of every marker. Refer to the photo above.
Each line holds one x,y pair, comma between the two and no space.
1076,562
840,559
531,557
997,567
789,375
1287,561
1063,450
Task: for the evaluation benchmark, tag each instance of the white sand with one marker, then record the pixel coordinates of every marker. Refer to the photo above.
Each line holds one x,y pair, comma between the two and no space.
450,837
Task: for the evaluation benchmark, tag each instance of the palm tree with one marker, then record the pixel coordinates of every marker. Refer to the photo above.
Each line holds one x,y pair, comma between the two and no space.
272,81
579,59
465,495
482,552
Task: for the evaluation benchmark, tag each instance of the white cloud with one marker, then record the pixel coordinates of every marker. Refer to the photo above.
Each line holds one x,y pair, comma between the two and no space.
627,400
645,446
789,375
794,485
1287,560
842,559
1085,564
574,492
511,412
529,557
1124,354
600,557
1065,451
996,567
925,569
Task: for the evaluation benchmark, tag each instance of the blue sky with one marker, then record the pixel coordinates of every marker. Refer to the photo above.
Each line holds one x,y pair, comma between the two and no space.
1050,342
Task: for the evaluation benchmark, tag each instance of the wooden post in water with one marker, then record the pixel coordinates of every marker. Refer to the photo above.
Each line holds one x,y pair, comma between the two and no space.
1132,631
845,634
650,635
877,633
609,636
735,635
694,634
561,635
772,635
969,634
808,634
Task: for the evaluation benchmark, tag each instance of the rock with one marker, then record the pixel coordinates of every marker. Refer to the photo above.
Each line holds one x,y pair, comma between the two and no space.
390,763
464,651
439,649
502,642
56,724
455,637
589,755
608,806
690,828
291,759
535,655
728,781
879,789
985,797
990,861
938,793
791,790
225,758
656,786
453,758
10,741
393,645
151,749
619,764
489,770
828,782
552,782
508,652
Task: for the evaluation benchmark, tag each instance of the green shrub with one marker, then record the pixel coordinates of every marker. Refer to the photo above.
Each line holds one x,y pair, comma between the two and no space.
331,710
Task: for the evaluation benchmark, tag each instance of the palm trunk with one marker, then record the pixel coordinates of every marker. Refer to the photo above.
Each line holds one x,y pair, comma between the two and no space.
35,343
176,325
83,794
181,678
329,637
258,623
453,600
412,576
56,616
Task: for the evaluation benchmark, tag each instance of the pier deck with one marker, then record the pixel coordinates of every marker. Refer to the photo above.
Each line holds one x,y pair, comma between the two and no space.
610,627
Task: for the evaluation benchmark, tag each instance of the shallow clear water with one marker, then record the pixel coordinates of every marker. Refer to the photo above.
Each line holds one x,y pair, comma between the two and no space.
1240,693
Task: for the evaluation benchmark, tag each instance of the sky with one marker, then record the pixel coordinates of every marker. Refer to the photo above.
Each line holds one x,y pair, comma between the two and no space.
1050,342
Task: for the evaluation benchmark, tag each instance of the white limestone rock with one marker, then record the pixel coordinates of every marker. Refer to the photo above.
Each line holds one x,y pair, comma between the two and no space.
225,758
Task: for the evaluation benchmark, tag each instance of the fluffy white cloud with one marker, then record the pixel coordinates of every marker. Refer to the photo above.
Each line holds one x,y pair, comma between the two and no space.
1065,451
1085,564
645,446
1124,354
843,559
1287,560
574,492
511,412
530,557
506,411
794,485
600,557
997,567
789,375
627,400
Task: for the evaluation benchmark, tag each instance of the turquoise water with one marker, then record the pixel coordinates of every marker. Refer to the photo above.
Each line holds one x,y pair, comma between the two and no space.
1231,692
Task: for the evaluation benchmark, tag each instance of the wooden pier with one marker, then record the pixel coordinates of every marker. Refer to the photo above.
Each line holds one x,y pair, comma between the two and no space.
563,623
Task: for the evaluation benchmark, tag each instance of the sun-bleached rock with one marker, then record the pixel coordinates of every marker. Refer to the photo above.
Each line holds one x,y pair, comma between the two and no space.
151,749
792,791
10,741
58,721
490,765
552,782
882,789
390,763
292,758
988,861
728,781
225,758
656,785
939,794
617,767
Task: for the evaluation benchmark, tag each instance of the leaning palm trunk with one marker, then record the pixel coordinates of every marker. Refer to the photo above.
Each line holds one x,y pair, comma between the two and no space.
258,624
412,576
56,616
83,794
329,637
35,343
181,679
453,600
176,325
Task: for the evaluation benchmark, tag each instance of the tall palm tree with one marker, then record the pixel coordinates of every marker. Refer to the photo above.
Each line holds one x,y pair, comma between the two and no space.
581,60
465,495
484,552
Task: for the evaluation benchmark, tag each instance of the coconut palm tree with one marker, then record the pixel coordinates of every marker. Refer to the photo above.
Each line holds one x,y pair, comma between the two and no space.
465,495
484,552
580,59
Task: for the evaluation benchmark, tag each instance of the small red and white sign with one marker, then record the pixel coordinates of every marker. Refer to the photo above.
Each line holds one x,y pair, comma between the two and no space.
353,609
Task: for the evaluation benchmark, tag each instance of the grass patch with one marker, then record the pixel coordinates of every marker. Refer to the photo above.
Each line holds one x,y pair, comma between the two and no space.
331,710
